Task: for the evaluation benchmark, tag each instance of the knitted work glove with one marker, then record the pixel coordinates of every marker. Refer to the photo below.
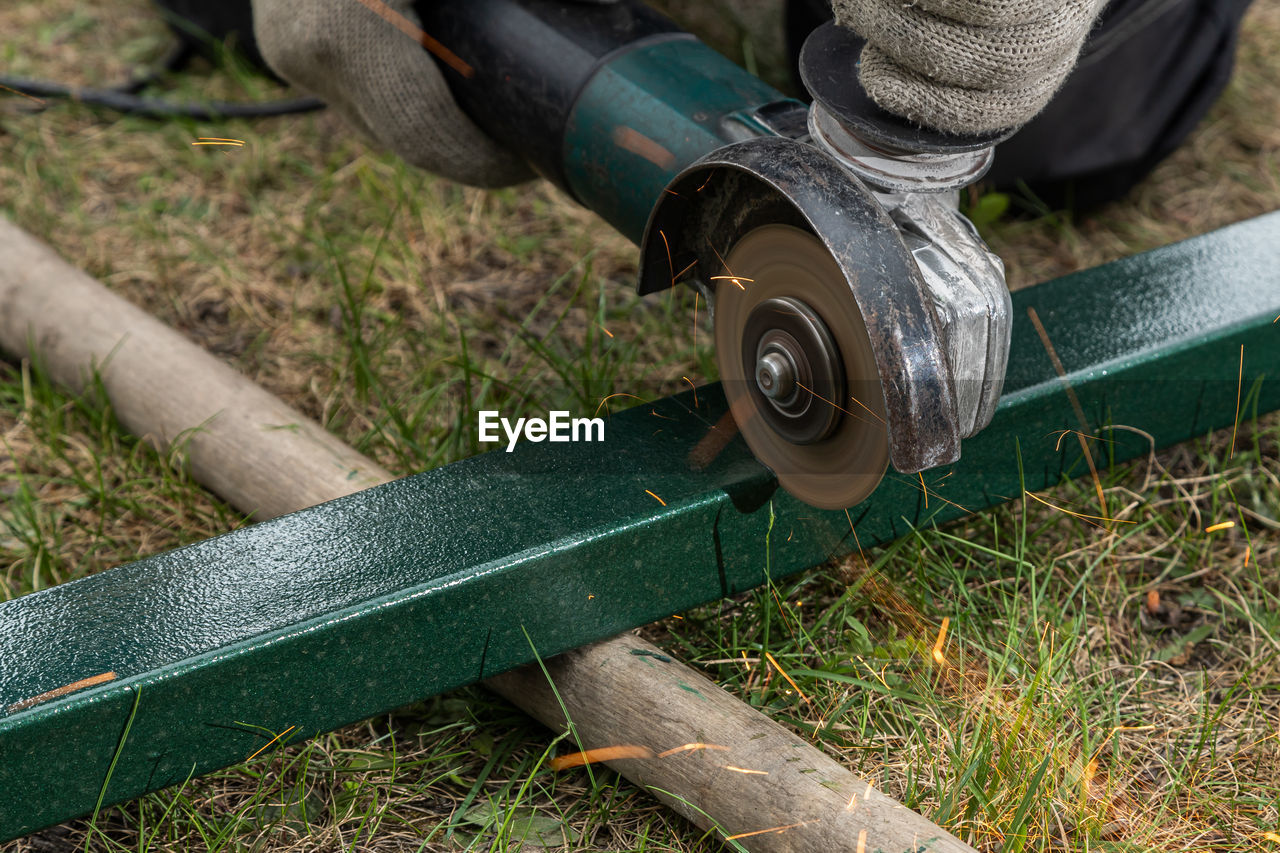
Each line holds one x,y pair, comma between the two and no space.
381,81
967,66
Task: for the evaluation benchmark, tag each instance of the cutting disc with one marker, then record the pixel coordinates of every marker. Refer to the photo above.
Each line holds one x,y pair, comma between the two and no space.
797,367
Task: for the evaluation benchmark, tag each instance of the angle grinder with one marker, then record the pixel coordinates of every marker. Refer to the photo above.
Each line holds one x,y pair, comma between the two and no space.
859,318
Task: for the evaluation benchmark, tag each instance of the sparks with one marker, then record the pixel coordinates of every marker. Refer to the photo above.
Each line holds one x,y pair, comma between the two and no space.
603,329
691,747
783,673
942,637
745,771
736,279
39,100
1075,405
91,681
604,753
924,489
611,396
218,140
1221,525
415,32
655,497
695,390
834,406
853,802
771,829
1079,515
862,841
268,743
696,294
671,266
731,277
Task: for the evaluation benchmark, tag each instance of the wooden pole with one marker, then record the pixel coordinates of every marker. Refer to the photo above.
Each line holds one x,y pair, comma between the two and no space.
738,771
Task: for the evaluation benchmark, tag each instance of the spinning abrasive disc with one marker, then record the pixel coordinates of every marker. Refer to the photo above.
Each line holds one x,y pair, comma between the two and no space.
798,369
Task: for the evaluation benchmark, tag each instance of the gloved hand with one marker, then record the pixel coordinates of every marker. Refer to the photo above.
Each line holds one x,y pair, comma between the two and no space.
967,66
382,81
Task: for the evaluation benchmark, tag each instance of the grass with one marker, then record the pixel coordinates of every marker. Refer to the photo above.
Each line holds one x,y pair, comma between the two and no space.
1096,689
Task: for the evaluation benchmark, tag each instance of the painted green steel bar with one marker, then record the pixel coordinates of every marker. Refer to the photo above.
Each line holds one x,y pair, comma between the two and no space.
362,604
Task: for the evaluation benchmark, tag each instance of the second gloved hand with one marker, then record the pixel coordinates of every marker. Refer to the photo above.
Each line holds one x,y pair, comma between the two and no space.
382,81
967,66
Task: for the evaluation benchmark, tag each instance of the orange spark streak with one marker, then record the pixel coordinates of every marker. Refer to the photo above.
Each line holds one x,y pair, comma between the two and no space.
603,329
695,390
688,267
783,673
1248,552
91,681
1079,515
834,406
862,841
1239,384
1221,525
273,740
924,489
942,637
1063,433
696,294
220,139
771,829
655,497
745,770
604,753
43,101
854,531
710,176
730,276
853,801
671,265
736,279
619,394
1075,404
404,25
691,747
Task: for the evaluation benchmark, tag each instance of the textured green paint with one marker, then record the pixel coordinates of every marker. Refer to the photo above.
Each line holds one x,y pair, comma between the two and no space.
681,96
356,606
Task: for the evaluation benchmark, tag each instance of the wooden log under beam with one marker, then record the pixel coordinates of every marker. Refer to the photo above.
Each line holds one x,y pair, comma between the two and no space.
619,691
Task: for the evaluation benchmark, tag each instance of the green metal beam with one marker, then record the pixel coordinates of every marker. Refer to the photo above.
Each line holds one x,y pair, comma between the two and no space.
353,607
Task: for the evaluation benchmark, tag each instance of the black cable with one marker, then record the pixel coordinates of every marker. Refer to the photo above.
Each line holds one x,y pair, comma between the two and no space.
123,99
